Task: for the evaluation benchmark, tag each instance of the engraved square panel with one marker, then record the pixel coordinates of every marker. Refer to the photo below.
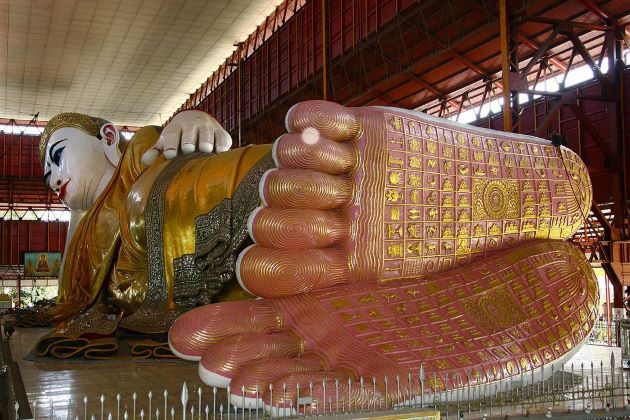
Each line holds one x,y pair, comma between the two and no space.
495,199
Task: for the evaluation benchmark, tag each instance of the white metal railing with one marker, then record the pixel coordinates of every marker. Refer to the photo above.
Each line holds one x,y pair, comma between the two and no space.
552,390
605,333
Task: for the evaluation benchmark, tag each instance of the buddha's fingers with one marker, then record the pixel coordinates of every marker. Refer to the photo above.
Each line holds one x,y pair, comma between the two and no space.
222,141
222,361
190,136
298,228
312,151
252,381
270,272
150,155
305,189
191,333
329,119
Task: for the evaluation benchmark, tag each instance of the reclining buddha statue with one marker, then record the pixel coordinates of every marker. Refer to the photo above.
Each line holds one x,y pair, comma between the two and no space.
383,240
148,238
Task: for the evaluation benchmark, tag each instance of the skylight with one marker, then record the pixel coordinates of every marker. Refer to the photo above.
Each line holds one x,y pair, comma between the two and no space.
574,77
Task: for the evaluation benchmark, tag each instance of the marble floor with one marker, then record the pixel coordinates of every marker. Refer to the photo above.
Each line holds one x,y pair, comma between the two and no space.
62,387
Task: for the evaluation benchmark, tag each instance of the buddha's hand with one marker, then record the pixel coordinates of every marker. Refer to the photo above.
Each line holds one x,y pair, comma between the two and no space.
371,193
187,132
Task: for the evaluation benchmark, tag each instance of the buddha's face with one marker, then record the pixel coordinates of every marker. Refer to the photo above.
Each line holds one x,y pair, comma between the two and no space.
76,167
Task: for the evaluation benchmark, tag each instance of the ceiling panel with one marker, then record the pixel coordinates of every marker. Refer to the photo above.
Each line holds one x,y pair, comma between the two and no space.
133,62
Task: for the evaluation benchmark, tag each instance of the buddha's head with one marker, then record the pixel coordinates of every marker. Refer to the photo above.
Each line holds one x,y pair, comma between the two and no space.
79,154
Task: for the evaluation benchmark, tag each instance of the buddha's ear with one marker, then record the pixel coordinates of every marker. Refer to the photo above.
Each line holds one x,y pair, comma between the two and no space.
111,137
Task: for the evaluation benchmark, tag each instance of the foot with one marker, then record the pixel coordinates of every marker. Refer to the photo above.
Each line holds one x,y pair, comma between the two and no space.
508,314
365,194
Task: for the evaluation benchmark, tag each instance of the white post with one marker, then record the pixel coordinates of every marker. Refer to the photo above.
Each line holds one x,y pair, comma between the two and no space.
150,395
165,403
228,402
184,399
214,402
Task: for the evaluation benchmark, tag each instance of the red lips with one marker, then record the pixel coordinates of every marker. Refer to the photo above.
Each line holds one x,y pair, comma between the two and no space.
62,190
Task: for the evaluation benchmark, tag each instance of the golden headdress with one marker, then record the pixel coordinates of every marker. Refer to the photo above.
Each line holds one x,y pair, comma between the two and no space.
89,125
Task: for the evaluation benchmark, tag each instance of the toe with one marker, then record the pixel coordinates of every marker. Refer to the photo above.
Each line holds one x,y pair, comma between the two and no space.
305,189
331,120
304,151
222,360
252,382
194,331
269,272
272,227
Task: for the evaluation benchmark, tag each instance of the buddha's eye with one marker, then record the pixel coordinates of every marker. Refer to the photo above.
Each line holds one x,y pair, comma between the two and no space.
56,157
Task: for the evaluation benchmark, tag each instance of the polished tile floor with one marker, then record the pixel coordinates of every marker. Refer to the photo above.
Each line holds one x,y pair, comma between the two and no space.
63,386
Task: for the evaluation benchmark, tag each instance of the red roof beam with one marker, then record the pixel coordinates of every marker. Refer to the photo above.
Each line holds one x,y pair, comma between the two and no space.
469,64
441,95
564,23
541,50
595,9
529,43
380,96
581,49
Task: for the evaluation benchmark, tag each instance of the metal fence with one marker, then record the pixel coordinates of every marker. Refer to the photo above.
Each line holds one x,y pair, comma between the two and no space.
550,390
605,333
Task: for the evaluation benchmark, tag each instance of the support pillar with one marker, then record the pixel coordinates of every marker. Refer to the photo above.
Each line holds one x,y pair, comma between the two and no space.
509,65
324,49
505,67
616,70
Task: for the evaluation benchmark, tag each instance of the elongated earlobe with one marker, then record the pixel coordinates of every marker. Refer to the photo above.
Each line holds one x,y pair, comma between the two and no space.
111,137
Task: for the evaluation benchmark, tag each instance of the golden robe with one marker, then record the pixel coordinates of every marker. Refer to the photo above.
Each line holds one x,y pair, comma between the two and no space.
163,239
